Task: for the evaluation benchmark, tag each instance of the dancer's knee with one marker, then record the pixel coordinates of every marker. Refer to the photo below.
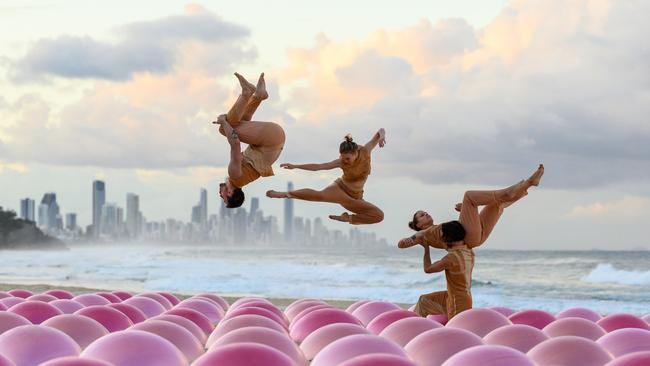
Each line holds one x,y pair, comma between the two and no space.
377,216
468,198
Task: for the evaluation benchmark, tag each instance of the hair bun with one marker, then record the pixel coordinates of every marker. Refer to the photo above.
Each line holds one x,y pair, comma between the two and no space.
348,137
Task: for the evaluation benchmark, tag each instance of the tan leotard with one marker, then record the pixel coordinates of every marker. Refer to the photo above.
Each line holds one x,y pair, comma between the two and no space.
255,165
355,174
433,237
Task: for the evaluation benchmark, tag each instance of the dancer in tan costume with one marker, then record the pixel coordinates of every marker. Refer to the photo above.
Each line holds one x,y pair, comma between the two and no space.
458,238
265,142
347,191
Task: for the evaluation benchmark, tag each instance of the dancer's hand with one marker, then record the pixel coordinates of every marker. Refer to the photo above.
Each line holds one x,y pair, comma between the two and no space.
287,166
381,136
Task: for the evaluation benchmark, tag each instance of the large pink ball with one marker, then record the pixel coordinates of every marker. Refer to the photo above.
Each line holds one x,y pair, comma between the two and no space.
5,295
319,318
2,307
135,348
30,345
479,321
170,297
380,322
569,351
244,310
434,347
10,320
60,294
297,308
349,347
112,298
574,327
122,295
438,318
622,320
75,361
162,300
5,362
627,340
42,298
521,337
244,300
323,336
270,307
350,309
646,318
205,307
489,356
148,306
136,315
35,311
177,335
244,354
291,306
632,359
82,329
67,306
90,300
306,311
579,313
243,321
113,320
404,330
215,298
503,310
197,318
23,294
378,359
535,318
185,323
264,336
8,302
367,312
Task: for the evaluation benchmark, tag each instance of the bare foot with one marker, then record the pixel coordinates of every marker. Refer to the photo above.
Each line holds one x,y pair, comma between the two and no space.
276,194
344,217
458,207
260,90
247,88
537,176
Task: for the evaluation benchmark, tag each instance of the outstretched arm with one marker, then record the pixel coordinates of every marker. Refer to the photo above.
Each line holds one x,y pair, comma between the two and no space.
234,167
437,266
415,239
379,138
313,167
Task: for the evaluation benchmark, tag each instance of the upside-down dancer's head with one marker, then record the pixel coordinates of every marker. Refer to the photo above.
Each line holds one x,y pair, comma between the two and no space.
421,220
232,196
452,231
349,150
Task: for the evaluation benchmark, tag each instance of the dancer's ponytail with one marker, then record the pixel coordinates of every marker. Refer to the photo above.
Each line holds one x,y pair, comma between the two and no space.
348,146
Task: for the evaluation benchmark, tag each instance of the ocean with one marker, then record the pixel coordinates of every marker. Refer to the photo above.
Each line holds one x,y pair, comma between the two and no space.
606,281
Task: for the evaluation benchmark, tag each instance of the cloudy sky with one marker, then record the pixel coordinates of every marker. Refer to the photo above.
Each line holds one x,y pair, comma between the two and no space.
472,95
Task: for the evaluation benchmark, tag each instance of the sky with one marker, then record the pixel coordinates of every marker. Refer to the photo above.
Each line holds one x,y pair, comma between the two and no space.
472,94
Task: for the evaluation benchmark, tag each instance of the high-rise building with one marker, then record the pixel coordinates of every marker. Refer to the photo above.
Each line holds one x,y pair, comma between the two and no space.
48,212
109,219
288,215
99,199
27,207
43,219
71,221
255,205
133,215
203,204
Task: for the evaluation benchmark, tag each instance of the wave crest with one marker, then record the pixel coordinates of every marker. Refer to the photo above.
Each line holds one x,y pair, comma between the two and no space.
607,273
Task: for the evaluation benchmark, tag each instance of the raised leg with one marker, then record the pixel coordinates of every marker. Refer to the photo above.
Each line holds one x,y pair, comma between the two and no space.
363,213
247,102
432,304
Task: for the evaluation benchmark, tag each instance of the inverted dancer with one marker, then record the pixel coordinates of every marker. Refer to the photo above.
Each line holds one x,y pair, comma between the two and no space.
265,142
458,238
347,191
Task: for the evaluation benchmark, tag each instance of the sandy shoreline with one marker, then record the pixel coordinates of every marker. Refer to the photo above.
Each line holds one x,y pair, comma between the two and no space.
279,302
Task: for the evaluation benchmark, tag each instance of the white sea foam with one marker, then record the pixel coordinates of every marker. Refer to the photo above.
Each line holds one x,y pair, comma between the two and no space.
607,273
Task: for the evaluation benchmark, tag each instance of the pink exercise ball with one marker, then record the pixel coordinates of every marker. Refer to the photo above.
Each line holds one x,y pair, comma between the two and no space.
42,298
627,340
306,311
350,309
113,320
295,303
323,336
23,294
270,307
122,295
244,310
67,306
367,312
170,297
60,294
479,321
135,348
503,310
134,314
185,323
569,351
319,318
5,362
244,300
217,299
438,318
404,330
8,302
31,345
380,322
646,318
352,346
244,354
632,359
378,359
81,329
177,335
197,318
90,300
574,327
297,308
535,318
521,337
205,307
162,300
579,313
2,307
619,321
489,356
434,347
112,298
264,336
35,311
149,307
75,361
243,321
5,295
10,320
